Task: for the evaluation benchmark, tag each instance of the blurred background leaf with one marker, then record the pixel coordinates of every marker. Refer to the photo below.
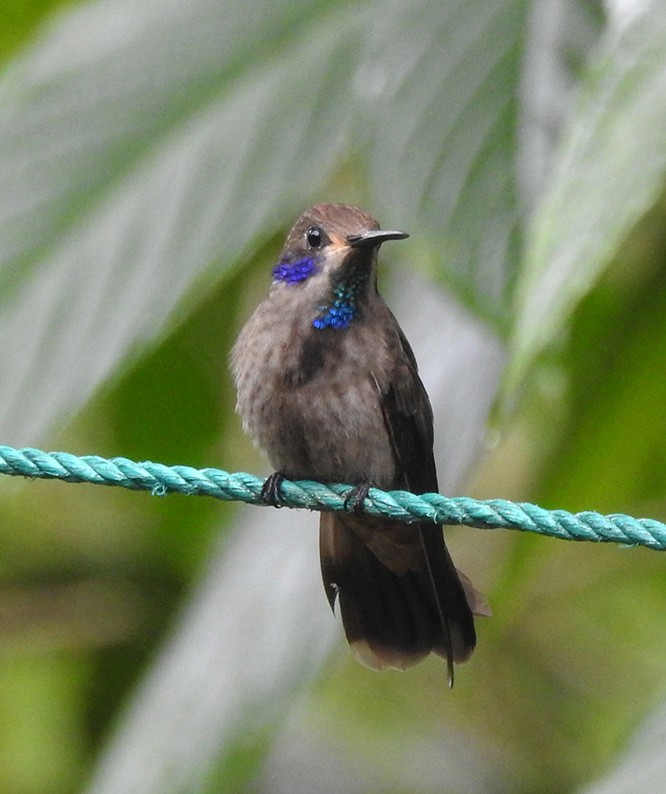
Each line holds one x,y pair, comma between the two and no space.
153,156
618,119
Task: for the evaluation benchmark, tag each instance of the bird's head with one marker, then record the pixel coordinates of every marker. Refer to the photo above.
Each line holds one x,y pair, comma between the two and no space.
331,254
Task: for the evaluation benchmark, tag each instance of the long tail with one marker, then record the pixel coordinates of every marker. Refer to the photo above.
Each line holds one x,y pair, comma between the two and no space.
400,595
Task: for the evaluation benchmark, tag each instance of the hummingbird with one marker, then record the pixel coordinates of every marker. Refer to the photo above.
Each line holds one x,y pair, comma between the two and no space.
328,387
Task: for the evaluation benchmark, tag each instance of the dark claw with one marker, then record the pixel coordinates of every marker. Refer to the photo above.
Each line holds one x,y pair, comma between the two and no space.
356,497
270,490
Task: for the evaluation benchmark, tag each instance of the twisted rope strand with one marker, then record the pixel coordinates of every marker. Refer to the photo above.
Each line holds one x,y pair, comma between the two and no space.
400,505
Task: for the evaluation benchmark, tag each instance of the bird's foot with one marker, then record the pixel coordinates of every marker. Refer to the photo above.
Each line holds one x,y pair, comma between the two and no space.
270,490
356,497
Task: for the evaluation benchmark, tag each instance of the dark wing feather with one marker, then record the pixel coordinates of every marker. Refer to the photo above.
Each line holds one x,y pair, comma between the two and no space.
408,419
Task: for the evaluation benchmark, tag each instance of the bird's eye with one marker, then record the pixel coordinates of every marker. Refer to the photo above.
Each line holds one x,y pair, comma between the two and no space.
314,237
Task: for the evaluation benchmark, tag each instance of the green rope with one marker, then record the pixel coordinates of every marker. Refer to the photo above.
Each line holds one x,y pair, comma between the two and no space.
401,505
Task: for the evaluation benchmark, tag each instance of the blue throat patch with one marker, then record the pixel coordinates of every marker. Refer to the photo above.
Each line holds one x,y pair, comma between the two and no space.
343,308
294,272
338,315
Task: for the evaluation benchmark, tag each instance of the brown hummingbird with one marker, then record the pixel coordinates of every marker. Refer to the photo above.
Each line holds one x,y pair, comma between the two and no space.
329,388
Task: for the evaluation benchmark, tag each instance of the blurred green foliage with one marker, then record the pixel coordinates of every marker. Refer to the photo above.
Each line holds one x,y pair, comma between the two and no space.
21,19
152,158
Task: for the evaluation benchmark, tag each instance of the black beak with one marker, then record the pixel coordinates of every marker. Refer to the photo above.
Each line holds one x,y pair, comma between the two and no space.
374,238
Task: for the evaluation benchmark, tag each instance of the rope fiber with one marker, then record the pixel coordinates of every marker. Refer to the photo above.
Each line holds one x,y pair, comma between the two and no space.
400,505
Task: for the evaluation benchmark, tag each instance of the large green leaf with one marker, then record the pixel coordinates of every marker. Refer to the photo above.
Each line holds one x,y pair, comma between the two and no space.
446,78
609,170
140,145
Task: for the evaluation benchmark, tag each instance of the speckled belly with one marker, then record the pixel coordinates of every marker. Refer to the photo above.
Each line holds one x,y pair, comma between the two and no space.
332,434
327,424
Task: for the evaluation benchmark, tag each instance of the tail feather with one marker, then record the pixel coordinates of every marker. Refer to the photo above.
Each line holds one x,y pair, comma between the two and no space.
393,620
459,635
